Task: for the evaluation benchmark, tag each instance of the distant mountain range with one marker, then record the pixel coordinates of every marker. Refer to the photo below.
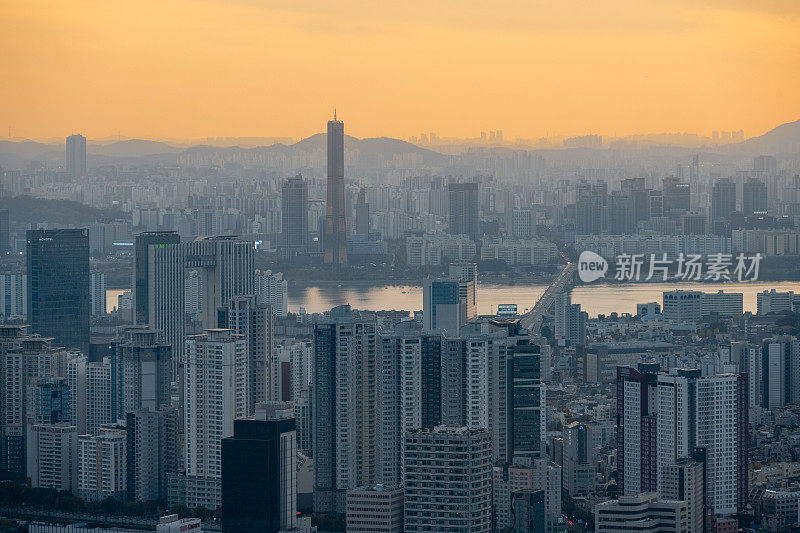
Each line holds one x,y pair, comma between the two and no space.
785,139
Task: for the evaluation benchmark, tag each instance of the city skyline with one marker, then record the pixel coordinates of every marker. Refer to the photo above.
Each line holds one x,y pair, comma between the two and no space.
531,70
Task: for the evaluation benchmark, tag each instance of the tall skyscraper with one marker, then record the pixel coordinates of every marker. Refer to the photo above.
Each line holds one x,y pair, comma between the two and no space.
271,290
152,452
754,196
159,289
97,293
570,321
780,372
216,392
448,480
723,202
146,365
579,468
409,395
58,285
76,155
226,267
527,408
5,235
709,412
30,358
344,407
254,324
637,468
464,210
335,240
294,216
259,472
362,214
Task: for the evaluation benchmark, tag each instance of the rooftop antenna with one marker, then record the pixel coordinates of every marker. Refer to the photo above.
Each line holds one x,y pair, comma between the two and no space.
334,114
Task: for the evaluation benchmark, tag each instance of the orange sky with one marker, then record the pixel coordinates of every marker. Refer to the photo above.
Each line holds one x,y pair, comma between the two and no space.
198,68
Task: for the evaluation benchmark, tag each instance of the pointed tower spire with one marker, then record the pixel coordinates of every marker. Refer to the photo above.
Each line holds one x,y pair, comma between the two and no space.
334,114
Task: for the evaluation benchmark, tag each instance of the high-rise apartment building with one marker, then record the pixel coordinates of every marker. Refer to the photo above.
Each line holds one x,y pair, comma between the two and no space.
570,321
685,481
637,463
152,452
76,156
579,468
344,407
13,295
294,217
527,407
146,365
409,395
97,293
102,462
709,412
259,472
254,323
780,372
52,456
335,239
101,408
216,390
29,359
448,480
464,210
271,291
58,285
159,289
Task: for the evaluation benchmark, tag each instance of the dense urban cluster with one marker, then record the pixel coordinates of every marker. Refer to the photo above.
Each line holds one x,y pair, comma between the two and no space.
199,399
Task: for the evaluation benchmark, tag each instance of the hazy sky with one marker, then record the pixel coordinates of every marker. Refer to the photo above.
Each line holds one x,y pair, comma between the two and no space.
199,68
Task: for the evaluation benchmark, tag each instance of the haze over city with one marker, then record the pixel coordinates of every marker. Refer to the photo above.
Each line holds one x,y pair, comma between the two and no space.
400,267
184,69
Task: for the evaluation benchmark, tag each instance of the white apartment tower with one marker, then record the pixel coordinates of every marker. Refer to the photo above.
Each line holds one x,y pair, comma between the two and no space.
711,413
52,456
216,391
101,464
97,293
271,291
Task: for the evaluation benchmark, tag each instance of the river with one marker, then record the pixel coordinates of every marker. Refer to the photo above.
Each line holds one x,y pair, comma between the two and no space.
596,298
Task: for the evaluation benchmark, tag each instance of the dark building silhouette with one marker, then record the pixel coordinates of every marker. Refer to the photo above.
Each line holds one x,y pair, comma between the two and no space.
723,202
258,473
754,197
294,216
141,290
76,155
362,214
464,210
335,219
58,285
637,461
5,232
